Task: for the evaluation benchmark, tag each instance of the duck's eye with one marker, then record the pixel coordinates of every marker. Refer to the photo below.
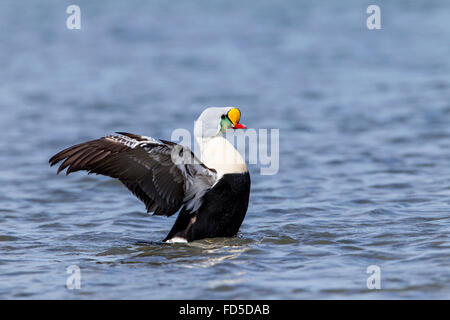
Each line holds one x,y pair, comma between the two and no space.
223,116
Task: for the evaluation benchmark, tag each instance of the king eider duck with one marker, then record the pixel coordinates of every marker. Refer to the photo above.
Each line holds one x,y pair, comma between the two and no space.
210,194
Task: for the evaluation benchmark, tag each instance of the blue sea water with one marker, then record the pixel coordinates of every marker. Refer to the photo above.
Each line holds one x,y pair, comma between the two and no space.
363,117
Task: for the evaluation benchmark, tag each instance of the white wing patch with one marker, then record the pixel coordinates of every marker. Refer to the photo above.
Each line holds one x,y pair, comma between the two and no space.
130,142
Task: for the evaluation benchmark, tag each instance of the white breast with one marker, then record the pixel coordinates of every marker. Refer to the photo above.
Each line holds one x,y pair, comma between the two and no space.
218,153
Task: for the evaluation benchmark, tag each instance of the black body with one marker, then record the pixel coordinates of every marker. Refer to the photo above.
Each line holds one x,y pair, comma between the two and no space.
221,214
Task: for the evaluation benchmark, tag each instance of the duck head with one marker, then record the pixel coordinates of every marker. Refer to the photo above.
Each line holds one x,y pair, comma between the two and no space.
216,121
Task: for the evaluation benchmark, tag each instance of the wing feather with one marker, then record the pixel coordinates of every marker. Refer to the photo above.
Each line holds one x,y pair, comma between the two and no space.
146,167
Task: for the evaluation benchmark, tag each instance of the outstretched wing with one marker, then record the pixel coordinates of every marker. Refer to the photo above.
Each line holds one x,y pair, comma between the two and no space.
162,174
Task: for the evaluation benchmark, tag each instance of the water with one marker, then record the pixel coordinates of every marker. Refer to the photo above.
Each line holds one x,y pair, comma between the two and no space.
364,173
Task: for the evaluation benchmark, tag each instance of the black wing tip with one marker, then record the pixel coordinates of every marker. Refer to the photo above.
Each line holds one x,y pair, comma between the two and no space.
53,160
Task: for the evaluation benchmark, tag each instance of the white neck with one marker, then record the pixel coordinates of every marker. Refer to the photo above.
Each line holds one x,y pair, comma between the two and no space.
219,154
